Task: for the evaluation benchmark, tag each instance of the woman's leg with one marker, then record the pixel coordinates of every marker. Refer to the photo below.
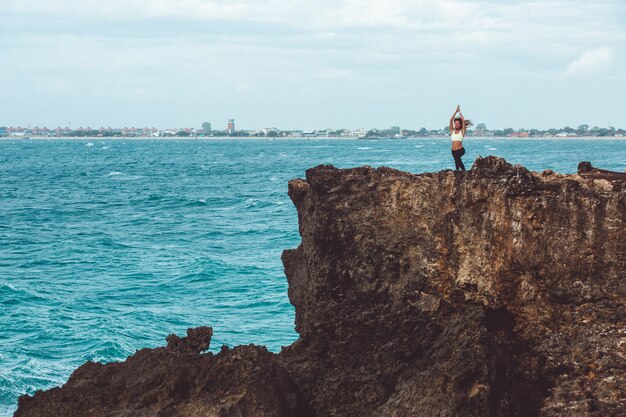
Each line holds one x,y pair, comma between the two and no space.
458,164
456,160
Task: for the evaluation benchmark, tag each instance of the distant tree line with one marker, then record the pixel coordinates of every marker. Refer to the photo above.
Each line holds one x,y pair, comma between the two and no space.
581,130
479,130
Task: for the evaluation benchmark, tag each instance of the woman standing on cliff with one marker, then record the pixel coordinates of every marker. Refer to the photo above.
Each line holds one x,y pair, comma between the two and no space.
457,132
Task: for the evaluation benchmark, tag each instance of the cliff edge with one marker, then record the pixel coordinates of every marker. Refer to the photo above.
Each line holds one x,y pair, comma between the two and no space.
492,292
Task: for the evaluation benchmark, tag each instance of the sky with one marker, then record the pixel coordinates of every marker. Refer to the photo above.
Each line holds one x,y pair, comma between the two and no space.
312,64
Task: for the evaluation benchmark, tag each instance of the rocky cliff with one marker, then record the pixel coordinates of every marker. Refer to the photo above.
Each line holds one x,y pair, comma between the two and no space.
491,292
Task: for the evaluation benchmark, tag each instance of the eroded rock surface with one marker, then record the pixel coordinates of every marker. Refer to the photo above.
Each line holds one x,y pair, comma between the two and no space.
495,292
491,292
176,381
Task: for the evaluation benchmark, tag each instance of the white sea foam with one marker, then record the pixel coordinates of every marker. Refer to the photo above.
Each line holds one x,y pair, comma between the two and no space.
364,148
122,176
89,144
251,202
419,146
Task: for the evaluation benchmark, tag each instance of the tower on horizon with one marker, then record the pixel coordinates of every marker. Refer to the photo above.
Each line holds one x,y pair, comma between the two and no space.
231,126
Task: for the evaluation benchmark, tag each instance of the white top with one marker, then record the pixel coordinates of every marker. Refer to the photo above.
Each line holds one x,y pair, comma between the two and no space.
457,137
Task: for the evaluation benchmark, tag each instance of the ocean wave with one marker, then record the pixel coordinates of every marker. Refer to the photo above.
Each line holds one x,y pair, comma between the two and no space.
110,243
256,203
172,201
108,351
121,176
11,294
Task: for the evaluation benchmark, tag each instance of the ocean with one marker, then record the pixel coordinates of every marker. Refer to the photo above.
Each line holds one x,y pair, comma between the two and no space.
108,246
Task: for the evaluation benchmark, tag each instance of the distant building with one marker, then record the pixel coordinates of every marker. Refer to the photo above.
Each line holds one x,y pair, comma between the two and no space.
360,132
231,126
266,130
206,127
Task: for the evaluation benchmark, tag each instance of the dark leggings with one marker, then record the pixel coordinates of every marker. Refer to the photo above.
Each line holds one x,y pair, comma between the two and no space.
458,164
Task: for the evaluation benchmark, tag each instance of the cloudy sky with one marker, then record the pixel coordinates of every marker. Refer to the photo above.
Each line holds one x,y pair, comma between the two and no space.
312,63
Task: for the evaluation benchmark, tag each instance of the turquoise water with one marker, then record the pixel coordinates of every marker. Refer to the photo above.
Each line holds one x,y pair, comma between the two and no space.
109,246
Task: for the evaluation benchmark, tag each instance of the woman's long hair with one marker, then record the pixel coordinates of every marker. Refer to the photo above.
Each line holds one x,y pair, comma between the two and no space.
468,122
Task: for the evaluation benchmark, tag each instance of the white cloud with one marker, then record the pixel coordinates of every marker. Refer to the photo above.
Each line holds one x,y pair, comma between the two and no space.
397,14
593,61
242,88
361,49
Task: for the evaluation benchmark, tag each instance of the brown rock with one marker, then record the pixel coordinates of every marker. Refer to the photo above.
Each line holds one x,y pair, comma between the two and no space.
175,381
586,170
480,294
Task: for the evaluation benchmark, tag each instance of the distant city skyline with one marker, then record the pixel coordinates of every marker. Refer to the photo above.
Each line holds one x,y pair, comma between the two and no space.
231,126
206,130
312,64
228,127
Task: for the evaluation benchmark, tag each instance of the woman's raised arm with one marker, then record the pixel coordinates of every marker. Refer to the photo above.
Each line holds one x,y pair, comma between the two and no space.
463,125
458,109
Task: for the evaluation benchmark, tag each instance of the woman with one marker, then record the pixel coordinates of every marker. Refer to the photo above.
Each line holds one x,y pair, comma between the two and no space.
457,132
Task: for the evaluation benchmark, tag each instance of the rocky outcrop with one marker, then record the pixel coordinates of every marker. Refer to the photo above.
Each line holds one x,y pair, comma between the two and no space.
491,292
495,292
586,170
176,380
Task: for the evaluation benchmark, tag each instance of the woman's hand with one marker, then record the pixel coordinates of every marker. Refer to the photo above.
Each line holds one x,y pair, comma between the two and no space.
458,108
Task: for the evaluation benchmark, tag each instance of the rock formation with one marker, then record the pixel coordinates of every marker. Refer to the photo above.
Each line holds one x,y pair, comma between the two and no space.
585,169
491,292
176,380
